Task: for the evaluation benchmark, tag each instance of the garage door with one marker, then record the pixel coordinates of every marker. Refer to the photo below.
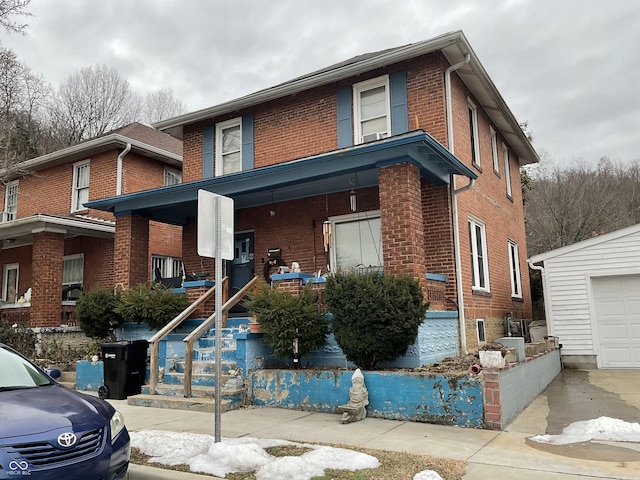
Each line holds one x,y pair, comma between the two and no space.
617,304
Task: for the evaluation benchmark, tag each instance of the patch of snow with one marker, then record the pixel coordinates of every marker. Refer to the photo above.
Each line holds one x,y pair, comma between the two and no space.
427,475
603,429
203,455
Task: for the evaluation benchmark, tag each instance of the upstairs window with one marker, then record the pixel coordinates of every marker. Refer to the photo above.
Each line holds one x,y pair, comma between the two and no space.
507,170
371,110
172,177
494,151
10,202
228,147
514,269
479,261
80,190
473,134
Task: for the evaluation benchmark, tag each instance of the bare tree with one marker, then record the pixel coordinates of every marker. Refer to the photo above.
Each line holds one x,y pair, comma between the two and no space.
567,205
10,8
22,132
161,104
92,101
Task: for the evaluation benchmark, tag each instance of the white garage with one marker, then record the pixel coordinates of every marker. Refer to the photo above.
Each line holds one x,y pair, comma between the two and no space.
592,299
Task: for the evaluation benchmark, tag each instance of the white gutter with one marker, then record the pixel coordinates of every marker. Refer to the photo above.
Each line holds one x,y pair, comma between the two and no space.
121,156
454,202
545,290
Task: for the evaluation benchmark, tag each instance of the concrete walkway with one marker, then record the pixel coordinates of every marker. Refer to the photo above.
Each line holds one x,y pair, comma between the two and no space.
574,395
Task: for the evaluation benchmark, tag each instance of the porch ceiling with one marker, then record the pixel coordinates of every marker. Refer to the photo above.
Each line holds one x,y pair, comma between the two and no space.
336,171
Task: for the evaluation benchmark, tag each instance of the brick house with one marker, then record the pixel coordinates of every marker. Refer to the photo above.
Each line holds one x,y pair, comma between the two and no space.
405,160
52,245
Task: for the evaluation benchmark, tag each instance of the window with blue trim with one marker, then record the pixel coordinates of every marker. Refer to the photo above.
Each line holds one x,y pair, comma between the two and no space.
228,147
371,109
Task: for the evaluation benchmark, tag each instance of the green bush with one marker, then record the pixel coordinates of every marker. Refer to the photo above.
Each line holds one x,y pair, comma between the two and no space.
19,338
285,317
96,310
155,306
375,317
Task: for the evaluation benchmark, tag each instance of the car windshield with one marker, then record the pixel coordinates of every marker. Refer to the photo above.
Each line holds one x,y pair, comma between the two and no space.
17,372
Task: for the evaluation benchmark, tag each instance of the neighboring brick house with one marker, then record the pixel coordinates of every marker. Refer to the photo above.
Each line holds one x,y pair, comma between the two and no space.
406,159
52,245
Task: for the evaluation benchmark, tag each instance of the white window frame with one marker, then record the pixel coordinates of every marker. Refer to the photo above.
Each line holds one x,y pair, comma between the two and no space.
358,90
514,269
355,217
220,128
474,136
5,281
494,151
481,333
79,280
172,177
11,201
479,257
507,170
169,266
77,189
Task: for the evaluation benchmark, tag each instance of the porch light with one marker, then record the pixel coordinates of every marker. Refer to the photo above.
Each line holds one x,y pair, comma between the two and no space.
352,200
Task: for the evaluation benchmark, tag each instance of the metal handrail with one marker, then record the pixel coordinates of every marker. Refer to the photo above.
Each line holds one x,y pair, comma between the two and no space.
205,326
166,330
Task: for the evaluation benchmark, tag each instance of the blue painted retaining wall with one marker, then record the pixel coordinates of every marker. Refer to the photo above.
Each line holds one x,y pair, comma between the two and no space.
447,400
89,375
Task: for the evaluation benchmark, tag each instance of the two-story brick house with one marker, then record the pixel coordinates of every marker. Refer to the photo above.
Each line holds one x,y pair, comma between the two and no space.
52,245
405,160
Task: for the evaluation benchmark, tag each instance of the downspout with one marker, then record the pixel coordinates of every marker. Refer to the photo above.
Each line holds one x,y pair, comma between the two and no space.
126,150
454,202
547,303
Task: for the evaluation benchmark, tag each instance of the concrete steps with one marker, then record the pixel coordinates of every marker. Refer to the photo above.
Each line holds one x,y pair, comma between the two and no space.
170,392
202,404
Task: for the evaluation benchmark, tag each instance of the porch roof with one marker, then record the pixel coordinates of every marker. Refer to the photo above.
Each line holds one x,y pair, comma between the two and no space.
339,170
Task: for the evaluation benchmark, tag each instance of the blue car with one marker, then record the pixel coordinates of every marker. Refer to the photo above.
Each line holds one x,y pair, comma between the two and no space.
48,431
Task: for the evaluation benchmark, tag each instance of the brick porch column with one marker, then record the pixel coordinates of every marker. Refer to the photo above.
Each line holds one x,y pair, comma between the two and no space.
46,290
401,221
131,250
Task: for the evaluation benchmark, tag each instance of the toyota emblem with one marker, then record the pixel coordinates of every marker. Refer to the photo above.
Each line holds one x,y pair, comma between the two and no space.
67,439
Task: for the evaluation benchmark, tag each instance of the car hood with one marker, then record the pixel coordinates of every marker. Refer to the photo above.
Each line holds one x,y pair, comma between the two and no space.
41,409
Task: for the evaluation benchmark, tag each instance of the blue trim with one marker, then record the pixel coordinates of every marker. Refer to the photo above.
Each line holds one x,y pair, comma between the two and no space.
208,160
399,104
441,314
247,142
294,179
435,276
291,276
345,122
199,283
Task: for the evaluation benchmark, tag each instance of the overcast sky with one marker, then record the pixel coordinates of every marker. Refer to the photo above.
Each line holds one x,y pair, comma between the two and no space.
570,68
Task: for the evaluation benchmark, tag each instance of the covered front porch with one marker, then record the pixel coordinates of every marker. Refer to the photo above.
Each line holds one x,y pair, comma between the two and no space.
384,205
47,261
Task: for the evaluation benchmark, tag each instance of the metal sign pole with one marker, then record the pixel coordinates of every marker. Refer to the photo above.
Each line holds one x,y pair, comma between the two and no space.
218,310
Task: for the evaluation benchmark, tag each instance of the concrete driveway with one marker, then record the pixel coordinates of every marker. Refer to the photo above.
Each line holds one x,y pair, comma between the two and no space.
576,395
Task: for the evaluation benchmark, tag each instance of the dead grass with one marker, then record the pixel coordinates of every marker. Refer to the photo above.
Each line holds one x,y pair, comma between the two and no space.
394,465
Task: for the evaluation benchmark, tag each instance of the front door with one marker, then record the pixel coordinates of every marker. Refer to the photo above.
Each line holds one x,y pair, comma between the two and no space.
242,265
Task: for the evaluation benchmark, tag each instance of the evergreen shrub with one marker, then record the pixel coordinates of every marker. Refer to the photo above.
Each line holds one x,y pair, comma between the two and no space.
375,317
155,306
96,311
284,317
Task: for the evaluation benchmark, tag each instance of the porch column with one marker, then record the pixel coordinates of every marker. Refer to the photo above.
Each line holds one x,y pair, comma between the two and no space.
401,221
46,289
131,250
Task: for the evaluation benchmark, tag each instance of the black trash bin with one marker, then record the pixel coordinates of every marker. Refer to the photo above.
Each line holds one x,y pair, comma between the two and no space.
125,365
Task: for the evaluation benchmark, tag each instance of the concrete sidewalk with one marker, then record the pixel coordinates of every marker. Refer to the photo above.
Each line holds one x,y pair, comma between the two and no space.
490,454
